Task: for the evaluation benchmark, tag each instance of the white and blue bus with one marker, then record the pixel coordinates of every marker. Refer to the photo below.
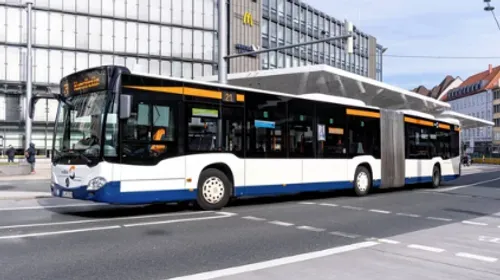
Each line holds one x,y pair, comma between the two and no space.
124,138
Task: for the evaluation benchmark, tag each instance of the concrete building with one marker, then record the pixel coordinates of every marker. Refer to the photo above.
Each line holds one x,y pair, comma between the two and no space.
166,37
273,23
474,97
441,90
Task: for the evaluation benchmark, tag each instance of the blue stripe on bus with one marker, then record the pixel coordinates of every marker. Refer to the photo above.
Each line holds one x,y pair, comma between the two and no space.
110,193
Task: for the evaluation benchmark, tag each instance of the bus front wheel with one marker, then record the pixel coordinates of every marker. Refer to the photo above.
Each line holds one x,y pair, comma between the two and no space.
436,177
214,189
362,181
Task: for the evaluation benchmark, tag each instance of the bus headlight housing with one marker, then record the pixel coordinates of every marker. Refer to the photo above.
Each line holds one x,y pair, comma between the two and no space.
96,184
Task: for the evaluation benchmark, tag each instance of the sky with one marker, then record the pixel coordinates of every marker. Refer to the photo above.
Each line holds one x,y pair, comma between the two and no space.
424,27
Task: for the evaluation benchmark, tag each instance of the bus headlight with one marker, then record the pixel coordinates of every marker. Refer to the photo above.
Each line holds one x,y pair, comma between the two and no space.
96,184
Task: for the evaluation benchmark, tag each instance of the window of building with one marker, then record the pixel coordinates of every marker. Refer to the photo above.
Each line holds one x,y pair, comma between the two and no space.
281,33
272,60
208,42
55,35
280,62
69,63
265,60
266,124
187,43
295,9
131,9
265,28
165,68
208,10
281,8
273,30
288,35
166,41
288,6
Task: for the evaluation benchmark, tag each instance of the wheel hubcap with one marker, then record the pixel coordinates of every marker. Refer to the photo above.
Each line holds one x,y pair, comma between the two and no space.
213,190
362,182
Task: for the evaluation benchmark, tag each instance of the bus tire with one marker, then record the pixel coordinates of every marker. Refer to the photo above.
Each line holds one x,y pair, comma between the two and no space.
436,177
214,189
362,181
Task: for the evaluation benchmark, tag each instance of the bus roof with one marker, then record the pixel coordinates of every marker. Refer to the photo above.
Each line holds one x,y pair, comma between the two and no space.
333,81
308,96
466,121
373,93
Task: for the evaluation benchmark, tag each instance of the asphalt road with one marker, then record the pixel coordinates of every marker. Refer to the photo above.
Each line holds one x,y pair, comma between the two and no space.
412,233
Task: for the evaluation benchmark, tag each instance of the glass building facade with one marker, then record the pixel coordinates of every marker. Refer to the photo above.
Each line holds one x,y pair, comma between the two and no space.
291,21
167,37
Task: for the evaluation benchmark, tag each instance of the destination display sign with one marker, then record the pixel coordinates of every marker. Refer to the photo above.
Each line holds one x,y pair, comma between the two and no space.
85,82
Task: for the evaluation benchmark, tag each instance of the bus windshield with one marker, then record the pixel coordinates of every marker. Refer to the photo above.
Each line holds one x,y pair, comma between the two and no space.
79,125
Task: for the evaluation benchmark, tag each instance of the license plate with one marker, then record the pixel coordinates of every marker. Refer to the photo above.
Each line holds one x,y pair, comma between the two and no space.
67,194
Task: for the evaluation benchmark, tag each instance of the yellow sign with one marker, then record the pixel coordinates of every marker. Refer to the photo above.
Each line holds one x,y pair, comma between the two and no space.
248,19
87,83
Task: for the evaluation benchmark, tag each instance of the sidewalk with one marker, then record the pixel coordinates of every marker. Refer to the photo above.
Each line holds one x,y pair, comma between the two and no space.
15,187
42,173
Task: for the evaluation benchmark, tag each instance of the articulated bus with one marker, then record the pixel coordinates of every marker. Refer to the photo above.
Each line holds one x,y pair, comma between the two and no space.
125,138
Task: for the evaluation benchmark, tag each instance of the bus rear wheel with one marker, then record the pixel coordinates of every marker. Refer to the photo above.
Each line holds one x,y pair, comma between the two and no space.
362,181
214,189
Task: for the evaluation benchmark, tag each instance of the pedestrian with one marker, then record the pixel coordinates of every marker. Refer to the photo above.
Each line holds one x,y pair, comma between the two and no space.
30,155
11,153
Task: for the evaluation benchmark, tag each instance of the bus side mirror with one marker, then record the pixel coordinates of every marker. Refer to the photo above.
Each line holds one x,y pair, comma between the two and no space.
125,106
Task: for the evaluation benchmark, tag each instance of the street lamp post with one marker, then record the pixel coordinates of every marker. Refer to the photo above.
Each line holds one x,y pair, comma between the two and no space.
27,119
489,8
222,49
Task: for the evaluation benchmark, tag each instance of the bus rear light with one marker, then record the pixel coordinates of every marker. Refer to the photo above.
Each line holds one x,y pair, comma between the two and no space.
96,183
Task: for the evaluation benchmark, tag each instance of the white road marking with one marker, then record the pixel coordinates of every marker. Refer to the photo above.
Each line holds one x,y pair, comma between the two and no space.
276,262
307,203
280,223
311,228
50,207
388,241
490,239
426,248
439,219
474,223
328,204
476,257
380,211
352,207
408,215
58,232
224,215
102,220
464,186
344,234
252,218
